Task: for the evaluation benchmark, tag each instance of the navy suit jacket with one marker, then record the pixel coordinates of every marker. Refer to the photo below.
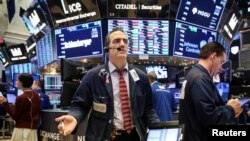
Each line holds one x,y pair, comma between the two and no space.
95,92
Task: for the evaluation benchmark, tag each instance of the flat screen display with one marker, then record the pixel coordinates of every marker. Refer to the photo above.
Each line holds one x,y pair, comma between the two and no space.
138,8
11,98
44,50
189,40
144,36
206,13
72,12
161,71
173,134
52,82
79,40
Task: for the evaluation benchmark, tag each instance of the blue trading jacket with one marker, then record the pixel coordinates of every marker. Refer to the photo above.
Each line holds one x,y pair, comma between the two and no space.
163,101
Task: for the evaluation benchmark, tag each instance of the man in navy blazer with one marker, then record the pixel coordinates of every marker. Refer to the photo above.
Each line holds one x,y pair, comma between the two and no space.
99,91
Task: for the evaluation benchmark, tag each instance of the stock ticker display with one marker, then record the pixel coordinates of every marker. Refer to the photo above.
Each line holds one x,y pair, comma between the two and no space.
145,36
189,40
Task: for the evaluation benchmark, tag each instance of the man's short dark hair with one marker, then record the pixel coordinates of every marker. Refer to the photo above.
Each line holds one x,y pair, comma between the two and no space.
26,79
107,41
210,48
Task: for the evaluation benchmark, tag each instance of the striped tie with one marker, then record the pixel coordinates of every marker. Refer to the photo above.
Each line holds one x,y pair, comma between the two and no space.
124,103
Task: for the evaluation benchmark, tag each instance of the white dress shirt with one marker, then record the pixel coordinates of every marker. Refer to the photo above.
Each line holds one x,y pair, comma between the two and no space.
118,117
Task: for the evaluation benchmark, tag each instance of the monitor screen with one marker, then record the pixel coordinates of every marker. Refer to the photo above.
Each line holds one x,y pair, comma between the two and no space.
52,82
144,36
223,89
161,71
138,8
165,131
67,92
17,54
72,12
189,40
206,13
44,50
80,40
232,22
11,98
15,76
71,70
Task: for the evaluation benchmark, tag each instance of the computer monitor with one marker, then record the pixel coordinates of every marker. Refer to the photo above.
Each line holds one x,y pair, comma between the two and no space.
71,69
166,131
11,98
161,71
52,82
67,93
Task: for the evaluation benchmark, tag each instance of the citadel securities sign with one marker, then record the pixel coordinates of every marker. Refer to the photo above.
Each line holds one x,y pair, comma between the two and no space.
72,12
138,8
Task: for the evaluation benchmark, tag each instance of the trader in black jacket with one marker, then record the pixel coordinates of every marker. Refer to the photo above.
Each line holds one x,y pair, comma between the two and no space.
201,104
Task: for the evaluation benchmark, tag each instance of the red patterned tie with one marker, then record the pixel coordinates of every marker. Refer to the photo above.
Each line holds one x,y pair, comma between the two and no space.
124,102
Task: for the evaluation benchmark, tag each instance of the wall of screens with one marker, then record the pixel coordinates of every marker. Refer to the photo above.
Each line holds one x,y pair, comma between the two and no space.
189,40
206,13
145,36
79,41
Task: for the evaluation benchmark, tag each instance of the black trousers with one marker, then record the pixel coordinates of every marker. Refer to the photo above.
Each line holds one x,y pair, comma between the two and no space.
124,136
